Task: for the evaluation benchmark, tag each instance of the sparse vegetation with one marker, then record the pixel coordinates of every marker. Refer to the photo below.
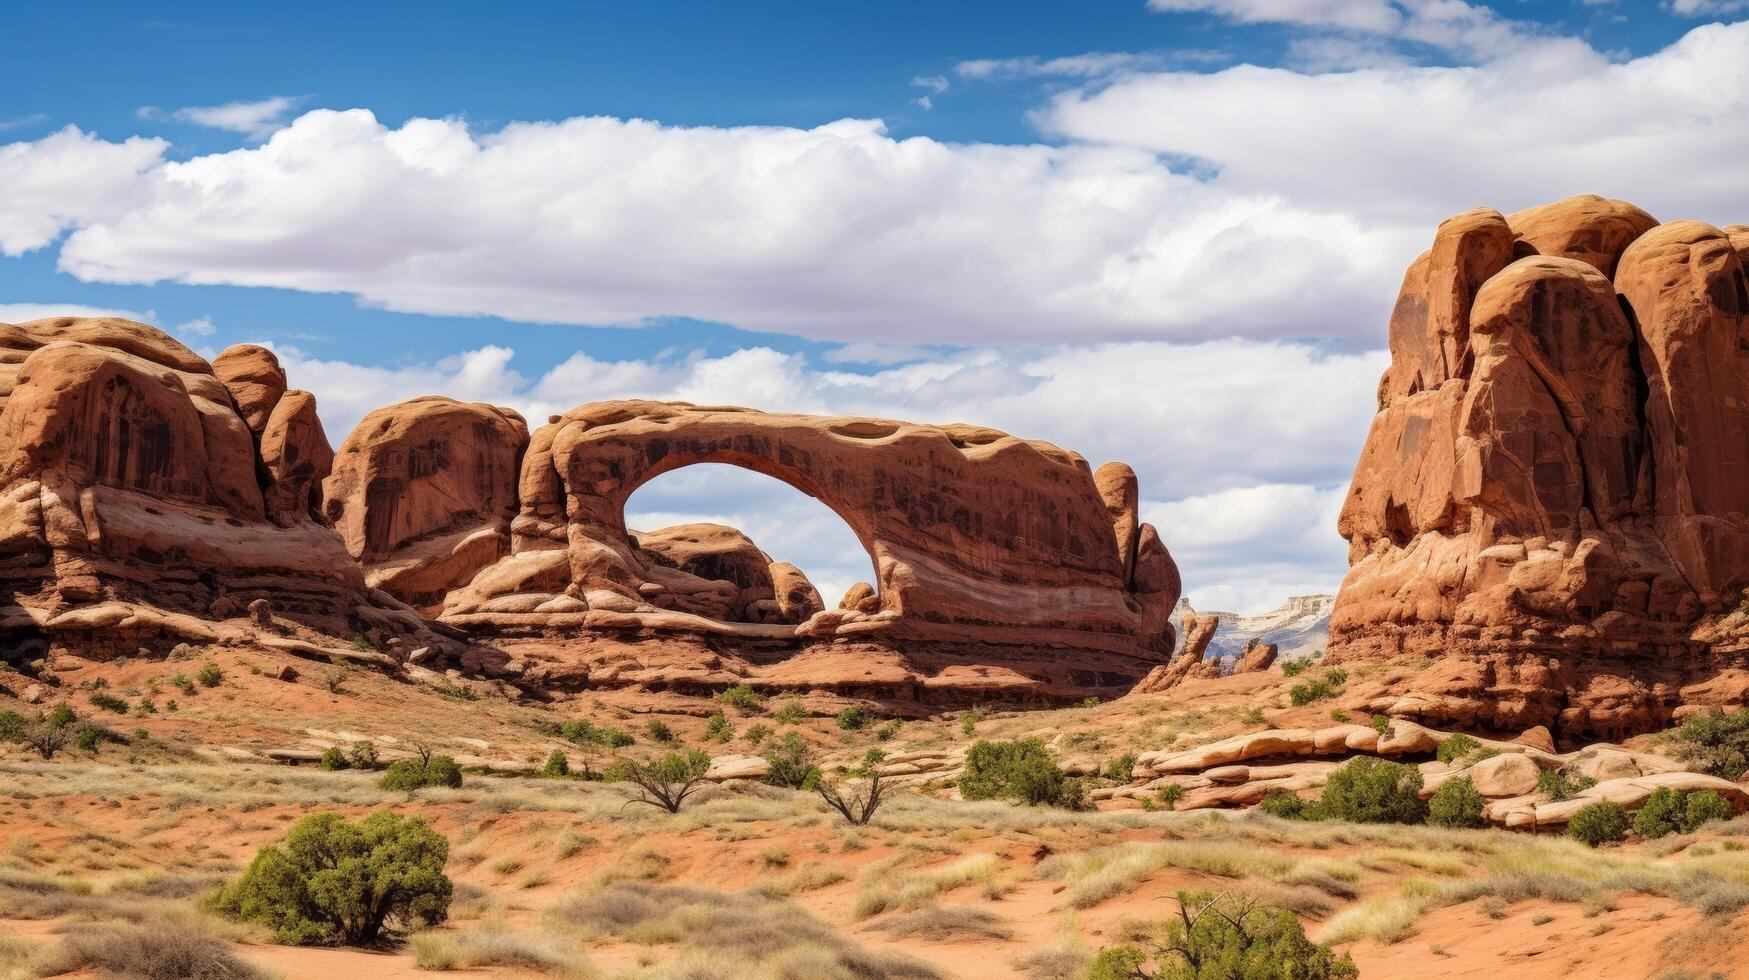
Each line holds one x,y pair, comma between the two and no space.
741,697
1560,784
791,763
1718,742
1319,688
858,805
557,766
108,702
1456,747
163,951
1456,804
428,770
210,675
852,719
333,880
1022,770
1222,936
667,782
1596,824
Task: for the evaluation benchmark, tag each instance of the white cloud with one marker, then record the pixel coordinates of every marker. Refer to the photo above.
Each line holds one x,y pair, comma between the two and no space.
924,102
67,178
1228,421
1472,30
255,120
22,121
1707,8
934,83
1093,64
25,312
1375,16
1404,147
839,232
199,327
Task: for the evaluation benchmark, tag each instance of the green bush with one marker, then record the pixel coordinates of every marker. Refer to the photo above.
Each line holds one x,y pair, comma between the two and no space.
210,675
791,764
1456,747
1170,794
557,767
1455,804
1118,769
333,880
89,738
182,683
11,726
887,731
1660,815
411,774
1021,770
717,728
334,760
1294,668
1560,784
852,719
791,712
1717,741
1228,937
1381,723
1369,790
1305,693
108,702
61,716
658,731
1599,823
740,696
618,772
1283,804
1703,807
756,733
362,755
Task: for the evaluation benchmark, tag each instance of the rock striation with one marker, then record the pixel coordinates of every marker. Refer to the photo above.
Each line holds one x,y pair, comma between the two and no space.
141,492
1552,501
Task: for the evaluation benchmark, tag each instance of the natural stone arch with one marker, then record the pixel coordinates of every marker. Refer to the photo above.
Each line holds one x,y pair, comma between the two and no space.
976,536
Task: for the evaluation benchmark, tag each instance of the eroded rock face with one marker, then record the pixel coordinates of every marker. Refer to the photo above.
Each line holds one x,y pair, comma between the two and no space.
1552,492
127,474
1199,632
423,491
977,537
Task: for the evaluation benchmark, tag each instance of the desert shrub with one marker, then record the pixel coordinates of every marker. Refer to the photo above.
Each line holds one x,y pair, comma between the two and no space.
1294,668
1381,723
1217,937
182,683
1019,770
557,767
1369,790
108,702
411,774
1456,747
658,731
1660,815
666,782
210,675
1599,823
333,880
1703,807
610,737
362,755
969,722
47,738
61,716
717,727
791,712
618,772
756,733
1718,742
1455,804
88,738
1118,769
857,805
1559,784
1280,803
741,697
852,719
11,726
887,731
1338,715
334,760
1316,689
166,951
1169,795
791,763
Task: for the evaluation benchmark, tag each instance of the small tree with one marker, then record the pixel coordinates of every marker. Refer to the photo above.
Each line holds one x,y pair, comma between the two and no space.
668,781
1660,815
859,806
47,738
1455,804
1228,936
557,767
1704,806
790,763
1599,823
332,880
334,760
427,770
1369,790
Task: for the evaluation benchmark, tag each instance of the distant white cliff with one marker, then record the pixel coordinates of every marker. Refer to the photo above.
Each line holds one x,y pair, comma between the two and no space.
1300,628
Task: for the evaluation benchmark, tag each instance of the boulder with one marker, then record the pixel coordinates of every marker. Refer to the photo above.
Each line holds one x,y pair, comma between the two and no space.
1504,775
725,768
1257,656
797,599
255,380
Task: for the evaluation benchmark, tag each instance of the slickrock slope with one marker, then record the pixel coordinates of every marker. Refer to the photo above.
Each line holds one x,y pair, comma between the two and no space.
1553,498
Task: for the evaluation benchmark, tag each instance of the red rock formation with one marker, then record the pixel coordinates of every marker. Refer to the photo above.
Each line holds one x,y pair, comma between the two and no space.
978,538
1552,498
423,492
1199,632
1257,656
256,381
127,476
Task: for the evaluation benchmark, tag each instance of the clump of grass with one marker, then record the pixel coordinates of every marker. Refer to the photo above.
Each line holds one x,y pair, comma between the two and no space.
496,946
937,924
1101,873
164,951
887,891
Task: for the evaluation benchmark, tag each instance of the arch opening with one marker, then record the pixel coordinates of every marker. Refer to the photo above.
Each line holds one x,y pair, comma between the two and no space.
722,522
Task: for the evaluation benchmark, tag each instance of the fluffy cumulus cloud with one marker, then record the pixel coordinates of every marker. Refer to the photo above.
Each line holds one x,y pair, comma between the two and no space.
1238,444
1404,144
65,179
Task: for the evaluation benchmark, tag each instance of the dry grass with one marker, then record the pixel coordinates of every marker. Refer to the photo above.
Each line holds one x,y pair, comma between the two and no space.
886,891
938,924
162,952
497,946
717,934
1094,876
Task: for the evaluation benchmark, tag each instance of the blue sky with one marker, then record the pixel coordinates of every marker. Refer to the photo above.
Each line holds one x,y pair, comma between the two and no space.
1163,231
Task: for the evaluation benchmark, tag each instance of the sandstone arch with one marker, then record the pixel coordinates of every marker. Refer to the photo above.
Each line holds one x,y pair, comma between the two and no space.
976,536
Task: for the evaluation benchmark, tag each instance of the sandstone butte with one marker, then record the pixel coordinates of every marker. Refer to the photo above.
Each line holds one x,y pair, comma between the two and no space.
149,498
1552,506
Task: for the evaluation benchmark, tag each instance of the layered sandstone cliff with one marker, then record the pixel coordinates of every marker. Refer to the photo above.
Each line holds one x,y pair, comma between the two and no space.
1554,497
